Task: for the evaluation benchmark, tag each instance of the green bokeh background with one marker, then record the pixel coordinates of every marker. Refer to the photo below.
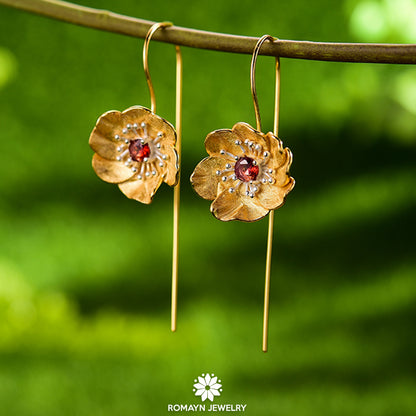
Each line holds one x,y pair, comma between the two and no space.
85,272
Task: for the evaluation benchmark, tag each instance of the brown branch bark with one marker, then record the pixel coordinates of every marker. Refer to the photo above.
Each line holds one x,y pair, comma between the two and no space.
130,26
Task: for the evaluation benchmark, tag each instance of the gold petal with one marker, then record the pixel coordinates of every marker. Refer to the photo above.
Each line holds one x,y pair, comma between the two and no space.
171,177
245,132
135,114
103,145
231,206
273,196
226,206
281,174
102,137
110,171
274,144
223,140
154,124
141,190
252,212
278,154
204,178
107,122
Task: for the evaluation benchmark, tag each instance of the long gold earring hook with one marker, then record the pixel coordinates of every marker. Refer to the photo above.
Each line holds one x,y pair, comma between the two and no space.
253,78
149,35
178,127
271,215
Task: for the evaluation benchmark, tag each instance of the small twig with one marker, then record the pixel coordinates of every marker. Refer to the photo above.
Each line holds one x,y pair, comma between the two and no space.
320,51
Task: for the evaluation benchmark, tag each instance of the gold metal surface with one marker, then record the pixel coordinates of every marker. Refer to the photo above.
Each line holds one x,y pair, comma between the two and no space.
176,191
271,221
110,140
271,216
253,78
147,39
223,151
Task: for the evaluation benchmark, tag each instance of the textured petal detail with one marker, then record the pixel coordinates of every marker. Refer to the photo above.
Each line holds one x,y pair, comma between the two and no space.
207,379
204,178
210,395
232,206
171,175
273,143
278,154
107,123
141,190
273,195
136,114
226,206
216,386
225,186
199,386
154,123
103,145
223,140
281,175
110,171
251,211
215,392
202,381
204,395
244,132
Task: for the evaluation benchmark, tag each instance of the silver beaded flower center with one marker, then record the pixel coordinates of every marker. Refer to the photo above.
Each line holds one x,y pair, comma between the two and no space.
155,159
257,157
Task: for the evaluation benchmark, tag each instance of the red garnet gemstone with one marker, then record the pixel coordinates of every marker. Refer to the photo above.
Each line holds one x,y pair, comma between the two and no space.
138,150
246,169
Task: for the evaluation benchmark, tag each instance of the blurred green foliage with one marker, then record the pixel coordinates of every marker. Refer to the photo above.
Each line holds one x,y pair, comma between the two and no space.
85,273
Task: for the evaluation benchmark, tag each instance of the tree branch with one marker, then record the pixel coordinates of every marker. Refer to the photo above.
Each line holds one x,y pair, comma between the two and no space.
117,23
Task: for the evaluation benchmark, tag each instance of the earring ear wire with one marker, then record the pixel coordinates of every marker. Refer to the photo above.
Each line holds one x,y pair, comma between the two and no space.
271,214
176,190
178,122
153,29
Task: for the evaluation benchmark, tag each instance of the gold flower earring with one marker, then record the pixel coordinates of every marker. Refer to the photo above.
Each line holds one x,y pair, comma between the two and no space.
135,149
246,174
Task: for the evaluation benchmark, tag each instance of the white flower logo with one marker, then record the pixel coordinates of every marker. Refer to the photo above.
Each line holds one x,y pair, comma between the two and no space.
207,387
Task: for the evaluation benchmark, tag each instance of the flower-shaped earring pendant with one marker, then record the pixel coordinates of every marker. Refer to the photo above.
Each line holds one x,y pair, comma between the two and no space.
246,173
135,149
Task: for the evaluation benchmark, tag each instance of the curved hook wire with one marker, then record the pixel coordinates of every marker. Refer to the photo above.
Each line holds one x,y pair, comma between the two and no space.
176,192
149,35
253,81
271,215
